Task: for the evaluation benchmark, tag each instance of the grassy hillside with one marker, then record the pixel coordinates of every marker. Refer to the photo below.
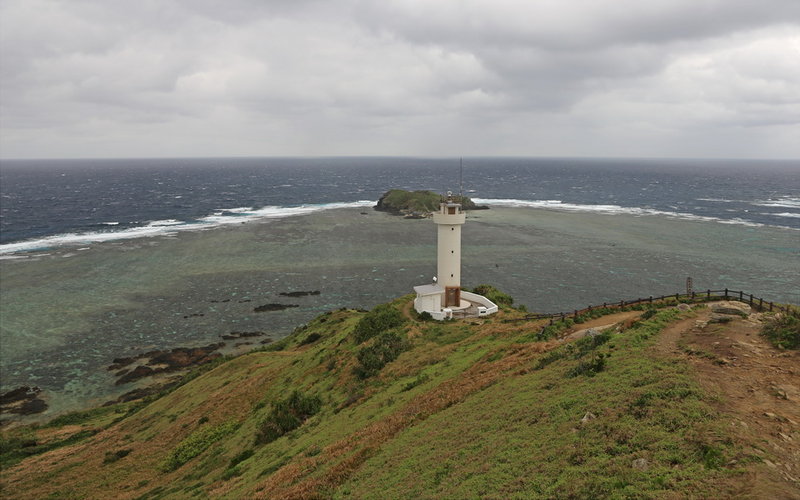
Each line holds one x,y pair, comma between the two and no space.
381,405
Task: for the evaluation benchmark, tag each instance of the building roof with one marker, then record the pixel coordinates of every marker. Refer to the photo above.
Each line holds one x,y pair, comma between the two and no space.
429,289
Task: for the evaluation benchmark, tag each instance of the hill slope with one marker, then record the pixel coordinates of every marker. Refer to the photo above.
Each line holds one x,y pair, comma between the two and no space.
455,409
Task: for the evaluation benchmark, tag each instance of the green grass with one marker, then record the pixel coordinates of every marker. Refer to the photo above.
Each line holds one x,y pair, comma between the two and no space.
524,437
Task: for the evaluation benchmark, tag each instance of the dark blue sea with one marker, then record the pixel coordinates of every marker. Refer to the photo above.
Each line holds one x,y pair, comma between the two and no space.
54,203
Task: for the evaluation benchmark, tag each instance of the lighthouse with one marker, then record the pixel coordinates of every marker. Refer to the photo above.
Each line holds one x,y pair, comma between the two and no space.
444,299
449,220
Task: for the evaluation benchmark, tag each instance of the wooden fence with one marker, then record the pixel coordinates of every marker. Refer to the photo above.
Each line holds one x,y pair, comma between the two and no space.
726,294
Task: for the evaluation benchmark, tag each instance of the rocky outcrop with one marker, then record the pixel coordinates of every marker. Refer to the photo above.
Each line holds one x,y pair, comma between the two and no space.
725,311
241,335
143,392
732,308
23,400
273,307
299,294
157,362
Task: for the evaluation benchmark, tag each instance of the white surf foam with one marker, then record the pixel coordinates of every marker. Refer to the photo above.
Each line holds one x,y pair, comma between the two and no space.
786,214
169,227
786,202
609,210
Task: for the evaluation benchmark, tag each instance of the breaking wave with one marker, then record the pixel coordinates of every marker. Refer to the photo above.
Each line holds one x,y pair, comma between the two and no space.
615,210
221,217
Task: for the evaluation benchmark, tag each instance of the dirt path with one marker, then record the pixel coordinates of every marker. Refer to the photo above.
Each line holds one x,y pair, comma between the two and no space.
578,331
759,387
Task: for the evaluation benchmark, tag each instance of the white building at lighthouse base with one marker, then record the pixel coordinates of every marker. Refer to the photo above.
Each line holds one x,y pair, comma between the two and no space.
430,298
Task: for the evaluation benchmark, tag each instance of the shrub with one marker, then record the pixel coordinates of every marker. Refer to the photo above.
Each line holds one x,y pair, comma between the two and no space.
783,330
590,343
589,368
195,444
421,379
424,316
241,457
231,473
494,295
649,313
286,415
113,456
313,337
377,321
372,358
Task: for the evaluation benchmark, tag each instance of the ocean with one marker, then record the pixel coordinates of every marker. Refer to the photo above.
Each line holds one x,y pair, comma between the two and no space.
107,258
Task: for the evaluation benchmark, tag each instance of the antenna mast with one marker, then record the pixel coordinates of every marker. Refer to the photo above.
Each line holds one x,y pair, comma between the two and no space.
461,178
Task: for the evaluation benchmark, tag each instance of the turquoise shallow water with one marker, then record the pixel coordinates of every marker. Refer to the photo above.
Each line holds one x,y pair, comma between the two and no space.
66,314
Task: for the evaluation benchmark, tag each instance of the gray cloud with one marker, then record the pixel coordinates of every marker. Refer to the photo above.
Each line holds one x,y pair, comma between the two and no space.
587,77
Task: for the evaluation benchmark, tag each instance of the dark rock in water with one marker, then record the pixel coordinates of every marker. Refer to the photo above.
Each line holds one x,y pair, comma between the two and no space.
273,307
18,394
241,335
299,294
266,341
181,357
22,401
137,373
32,406
118,363
143,392
245,300
249,334
195,315
240,344
170,361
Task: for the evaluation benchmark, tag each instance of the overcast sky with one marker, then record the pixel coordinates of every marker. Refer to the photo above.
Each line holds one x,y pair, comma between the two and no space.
620,78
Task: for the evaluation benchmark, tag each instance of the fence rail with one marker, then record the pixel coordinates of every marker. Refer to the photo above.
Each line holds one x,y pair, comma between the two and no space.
725,294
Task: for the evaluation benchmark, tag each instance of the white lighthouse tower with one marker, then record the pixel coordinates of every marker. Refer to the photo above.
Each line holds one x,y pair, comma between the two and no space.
449,220
444,299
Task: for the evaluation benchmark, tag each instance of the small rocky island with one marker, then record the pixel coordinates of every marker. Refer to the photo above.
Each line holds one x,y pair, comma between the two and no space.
418,204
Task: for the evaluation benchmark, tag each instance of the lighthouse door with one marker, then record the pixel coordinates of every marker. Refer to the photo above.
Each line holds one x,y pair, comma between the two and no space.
452,296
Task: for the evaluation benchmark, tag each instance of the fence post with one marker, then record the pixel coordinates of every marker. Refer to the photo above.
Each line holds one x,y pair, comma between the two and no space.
761,304
622,303
770,307
651,299
708,293
741,295
677,297
576,314
692,295
751,300
726,294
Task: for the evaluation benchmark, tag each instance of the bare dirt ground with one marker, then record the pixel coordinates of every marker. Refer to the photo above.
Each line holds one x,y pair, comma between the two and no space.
758,386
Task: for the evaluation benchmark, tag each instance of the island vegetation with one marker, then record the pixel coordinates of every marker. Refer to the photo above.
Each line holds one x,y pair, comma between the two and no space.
419,203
